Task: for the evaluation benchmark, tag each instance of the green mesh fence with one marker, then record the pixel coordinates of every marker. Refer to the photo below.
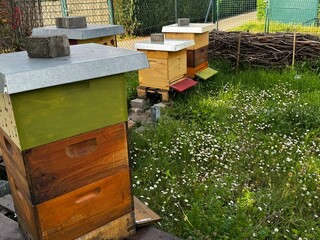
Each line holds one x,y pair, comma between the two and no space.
18,17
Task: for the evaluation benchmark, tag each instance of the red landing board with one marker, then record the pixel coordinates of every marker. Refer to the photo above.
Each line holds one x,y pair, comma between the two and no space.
183,85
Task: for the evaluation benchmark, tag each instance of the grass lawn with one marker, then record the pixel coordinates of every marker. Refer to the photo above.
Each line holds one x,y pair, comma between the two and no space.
237,157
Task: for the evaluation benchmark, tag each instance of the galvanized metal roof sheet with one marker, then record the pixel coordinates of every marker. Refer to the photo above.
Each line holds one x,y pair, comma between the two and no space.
91,31
169,45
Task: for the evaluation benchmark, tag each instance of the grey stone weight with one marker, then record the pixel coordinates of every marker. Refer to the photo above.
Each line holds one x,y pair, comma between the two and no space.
4,188
157,37
183,22
47,46
71,22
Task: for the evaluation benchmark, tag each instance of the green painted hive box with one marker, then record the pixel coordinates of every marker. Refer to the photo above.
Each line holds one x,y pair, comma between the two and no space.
45,100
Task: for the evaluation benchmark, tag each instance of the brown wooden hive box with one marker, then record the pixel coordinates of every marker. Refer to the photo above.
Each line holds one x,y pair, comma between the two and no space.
197,57
54,169
76,213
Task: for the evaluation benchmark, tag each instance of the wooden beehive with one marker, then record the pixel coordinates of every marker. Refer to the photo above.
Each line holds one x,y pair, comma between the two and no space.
168,65
64,141
93,33
198,53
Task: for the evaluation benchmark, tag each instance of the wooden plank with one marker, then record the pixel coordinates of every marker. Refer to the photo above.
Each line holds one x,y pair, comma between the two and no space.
51,114
177,65
206,73
148,233
144,215
9,229
120,228
191,72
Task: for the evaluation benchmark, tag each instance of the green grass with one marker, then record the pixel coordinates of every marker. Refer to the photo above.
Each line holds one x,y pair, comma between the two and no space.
258,27
237,157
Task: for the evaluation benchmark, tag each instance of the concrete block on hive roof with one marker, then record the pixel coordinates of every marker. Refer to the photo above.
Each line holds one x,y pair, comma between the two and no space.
47,46
71,22
183,21
157,37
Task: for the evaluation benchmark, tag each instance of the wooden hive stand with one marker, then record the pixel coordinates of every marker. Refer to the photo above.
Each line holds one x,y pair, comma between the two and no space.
63,136
197,55
168,67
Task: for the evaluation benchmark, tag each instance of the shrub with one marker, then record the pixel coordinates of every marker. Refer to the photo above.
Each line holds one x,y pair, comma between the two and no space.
261,9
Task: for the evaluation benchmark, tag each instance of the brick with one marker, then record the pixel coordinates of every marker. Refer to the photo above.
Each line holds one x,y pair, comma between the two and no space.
157,37
47,46
139,103
183,22
71,22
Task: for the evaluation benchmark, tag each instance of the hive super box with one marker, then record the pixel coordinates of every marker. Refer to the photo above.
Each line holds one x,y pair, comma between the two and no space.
46,100
93,33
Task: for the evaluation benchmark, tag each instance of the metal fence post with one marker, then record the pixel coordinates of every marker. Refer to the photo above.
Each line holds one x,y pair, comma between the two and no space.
64,8
111,11
217,21
266,22
176,10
